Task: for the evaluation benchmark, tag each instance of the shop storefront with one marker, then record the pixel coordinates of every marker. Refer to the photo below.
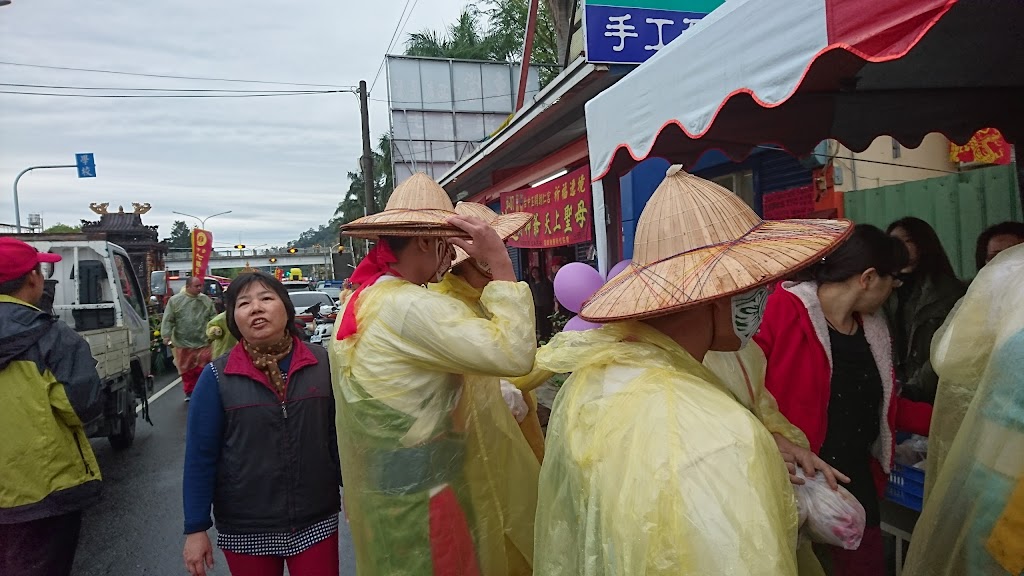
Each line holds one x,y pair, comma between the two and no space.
562,228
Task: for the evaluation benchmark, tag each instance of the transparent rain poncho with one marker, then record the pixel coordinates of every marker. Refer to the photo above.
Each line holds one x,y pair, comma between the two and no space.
653,467
973,517
424,450
221,339
185,318
504,472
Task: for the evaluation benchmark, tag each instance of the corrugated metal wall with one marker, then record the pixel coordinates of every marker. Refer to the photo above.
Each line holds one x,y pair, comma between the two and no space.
958,206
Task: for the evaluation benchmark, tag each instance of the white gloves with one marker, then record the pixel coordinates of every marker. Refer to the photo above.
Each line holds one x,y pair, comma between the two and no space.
514,398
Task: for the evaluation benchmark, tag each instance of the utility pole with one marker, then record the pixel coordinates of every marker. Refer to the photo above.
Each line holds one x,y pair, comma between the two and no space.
367,159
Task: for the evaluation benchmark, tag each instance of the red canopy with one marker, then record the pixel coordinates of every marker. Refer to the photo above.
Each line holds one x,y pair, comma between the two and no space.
797,72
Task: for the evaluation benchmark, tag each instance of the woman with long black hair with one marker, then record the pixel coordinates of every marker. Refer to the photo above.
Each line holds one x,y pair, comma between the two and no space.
920,305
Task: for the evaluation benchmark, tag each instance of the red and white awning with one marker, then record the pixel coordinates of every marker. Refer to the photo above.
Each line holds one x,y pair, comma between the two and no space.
794,73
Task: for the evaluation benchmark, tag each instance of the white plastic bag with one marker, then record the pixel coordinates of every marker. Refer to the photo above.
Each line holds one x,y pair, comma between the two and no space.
514,398
830,516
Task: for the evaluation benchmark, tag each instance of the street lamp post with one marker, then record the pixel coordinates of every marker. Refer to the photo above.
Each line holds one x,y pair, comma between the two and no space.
202,221
17,209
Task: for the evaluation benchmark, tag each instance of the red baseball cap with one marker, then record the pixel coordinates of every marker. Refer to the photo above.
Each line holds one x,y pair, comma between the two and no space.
18,258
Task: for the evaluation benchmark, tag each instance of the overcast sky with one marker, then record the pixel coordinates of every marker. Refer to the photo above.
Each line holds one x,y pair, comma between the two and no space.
278,163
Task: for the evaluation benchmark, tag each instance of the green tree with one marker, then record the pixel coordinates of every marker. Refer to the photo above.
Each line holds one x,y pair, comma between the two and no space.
181,236
351,206
464,40
506,32
494,32
59,228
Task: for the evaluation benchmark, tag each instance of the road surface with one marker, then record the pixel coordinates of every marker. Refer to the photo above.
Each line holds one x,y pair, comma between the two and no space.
137,528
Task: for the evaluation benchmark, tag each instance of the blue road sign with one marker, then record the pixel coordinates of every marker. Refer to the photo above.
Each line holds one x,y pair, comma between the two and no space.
86,165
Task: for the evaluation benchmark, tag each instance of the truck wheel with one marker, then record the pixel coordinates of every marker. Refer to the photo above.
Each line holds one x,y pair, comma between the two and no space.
126,437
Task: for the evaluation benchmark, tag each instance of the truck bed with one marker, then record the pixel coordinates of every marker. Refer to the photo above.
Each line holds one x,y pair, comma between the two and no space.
111,349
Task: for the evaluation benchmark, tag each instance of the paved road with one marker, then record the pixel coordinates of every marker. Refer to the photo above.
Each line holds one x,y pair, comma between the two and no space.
136,529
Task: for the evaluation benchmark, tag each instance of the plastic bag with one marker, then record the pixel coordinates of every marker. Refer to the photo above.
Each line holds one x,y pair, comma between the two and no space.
829,516
514,398
912,452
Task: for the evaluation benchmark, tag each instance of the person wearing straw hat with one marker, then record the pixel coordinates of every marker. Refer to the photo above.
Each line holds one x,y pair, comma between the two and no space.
465,282
651,465
405,434
513,487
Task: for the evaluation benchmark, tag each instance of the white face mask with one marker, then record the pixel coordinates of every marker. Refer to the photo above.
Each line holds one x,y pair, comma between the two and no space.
747,313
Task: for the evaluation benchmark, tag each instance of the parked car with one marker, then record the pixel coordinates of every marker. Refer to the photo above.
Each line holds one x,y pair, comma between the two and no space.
311,306
296,285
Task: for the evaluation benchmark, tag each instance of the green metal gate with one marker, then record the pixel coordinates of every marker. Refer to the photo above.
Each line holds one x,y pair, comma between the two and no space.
958,206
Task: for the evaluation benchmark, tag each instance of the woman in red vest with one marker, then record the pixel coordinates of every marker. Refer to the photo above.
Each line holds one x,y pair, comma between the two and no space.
830,367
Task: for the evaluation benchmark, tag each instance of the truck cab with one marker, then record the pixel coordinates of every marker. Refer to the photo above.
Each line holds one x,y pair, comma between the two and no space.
95,291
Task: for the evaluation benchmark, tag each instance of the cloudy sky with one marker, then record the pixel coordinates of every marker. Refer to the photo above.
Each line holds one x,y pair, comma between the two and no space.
278,163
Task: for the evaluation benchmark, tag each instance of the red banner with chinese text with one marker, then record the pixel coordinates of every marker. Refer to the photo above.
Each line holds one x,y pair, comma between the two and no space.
986,147
784,204
202,249
561,211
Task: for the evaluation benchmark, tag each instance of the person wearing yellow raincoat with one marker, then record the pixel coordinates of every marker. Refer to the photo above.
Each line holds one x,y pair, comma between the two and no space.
221,340
973,519
406,429
465,281
652,466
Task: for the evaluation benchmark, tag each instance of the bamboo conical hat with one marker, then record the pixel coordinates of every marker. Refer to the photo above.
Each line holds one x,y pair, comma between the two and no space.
506,225
417,207
696,242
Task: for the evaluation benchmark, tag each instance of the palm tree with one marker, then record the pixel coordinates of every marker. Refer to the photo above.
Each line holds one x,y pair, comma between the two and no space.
352,206
500,40
463,40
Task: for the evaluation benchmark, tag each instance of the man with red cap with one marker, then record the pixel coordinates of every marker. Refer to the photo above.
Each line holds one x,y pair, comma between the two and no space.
49,387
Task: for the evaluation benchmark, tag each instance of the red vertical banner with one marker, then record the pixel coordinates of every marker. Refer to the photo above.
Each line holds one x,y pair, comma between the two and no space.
202,249
562,213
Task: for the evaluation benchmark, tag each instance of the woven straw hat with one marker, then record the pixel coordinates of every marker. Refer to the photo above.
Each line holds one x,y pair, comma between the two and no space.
506,225
417,207
697,242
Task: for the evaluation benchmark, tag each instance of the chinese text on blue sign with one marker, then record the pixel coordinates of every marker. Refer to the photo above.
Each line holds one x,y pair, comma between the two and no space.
86,165
631,31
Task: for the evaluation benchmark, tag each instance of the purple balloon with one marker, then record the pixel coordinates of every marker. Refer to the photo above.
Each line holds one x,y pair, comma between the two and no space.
618,268
574,283
578,324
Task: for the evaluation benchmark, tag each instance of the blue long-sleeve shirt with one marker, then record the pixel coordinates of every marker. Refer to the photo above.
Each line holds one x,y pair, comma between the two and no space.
204,436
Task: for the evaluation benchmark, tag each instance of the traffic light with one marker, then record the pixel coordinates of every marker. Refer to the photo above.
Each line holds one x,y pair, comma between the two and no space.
239,246
273,260
293,250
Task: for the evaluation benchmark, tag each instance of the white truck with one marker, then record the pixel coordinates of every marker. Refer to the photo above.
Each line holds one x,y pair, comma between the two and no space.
95,291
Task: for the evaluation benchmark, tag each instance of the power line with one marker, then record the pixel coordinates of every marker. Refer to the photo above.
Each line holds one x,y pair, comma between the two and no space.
219,90
205,79
399,29
254,95
391,42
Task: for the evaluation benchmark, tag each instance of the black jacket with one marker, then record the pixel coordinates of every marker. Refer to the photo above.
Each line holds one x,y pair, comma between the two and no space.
278,469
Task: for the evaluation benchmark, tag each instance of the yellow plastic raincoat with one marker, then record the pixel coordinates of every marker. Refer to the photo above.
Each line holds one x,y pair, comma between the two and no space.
973,518
221,339
505,473
652,467
422,461
457,287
